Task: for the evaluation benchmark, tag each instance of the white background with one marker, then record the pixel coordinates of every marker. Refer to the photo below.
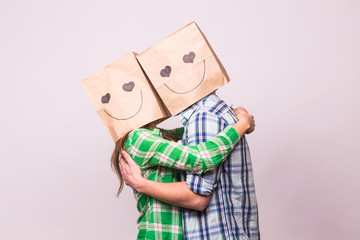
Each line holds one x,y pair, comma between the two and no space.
294,65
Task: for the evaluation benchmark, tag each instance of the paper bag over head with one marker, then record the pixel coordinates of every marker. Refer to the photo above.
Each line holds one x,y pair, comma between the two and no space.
123,97
183,68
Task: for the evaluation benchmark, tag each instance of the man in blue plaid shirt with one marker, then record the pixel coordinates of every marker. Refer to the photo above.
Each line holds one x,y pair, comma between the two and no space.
229,191
232,212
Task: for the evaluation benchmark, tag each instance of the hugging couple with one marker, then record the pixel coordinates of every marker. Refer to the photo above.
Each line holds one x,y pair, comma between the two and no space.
193,182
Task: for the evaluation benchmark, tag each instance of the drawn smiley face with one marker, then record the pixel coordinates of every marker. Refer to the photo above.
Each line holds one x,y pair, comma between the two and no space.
188,59
127,87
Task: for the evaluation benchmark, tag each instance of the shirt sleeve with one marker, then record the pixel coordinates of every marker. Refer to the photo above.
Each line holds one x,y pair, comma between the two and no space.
201,127
149,149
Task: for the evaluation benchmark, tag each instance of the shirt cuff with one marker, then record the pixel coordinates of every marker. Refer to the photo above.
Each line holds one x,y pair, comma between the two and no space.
200,185
232,134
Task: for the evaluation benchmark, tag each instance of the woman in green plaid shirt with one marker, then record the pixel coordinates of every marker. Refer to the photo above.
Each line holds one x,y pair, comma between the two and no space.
159,159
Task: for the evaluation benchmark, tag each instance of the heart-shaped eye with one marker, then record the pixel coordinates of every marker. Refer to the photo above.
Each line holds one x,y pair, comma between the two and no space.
166,71
106,98
128,87
189,58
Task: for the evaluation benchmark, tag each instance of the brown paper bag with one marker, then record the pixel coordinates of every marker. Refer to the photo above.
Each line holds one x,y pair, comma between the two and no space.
123,97
183,68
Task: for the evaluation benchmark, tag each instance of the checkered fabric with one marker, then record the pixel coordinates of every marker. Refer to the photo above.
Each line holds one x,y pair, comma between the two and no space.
159,160
232,212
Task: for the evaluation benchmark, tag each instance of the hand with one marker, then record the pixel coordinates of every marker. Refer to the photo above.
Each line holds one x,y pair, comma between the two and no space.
131,172
242,113
239,110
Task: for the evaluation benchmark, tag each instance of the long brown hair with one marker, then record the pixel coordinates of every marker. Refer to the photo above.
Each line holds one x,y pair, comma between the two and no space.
120,145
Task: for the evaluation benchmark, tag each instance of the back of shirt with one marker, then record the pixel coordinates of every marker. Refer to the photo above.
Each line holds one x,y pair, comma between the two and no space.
232,212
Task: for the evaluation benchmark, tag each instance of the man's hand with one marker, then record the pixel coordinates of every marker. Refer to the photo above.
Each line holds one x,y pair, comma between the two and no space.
131,172
239,111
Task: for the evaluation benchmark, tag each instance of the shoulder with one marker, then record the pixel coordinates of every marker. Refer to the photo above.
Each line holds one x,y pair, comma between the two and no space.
203,124
138,134
142,133
142,139
205,117
219,107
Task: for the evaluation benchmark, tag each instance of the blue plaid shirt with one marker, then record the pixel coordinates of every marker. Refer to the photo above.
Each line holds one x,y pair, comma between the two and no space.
232,212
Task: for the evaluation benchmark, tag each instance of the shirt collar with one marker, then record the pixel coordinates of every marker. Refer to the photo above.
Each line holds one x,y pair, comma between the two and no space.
186,114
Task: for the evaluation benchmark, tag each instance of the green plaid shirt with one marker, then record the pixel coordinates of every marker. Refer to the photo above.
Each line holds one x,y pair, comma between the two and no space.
159,160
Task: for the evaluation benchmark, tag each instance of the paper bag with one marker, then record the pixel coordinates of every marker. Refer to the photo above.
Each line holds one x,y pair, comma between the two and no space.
123,97
183,68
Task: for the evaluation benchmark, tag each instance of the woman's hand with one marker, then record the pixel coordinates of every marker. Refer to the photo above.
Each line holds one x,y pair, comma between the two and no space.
243,116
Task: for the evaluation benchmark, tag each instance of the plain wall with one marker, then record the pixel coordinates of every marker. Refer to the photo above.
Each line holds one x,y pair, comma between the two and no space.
295,65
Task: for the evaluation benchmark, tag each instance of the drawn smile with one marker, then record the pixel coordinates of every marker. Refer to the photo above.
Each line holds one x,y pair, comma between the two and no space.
130,116
192,88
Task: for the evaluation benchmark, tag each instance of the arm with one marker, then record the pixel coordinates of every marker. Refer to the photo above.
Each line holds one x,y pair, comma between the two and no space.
201,127
207,125
149,149
176,193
